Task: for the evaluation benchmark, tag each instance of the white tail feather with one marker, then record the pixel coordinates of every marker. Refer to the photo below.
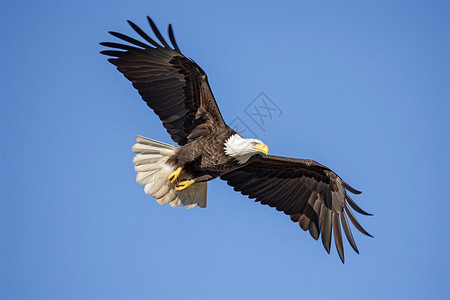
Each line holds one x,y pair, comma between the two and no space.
153,170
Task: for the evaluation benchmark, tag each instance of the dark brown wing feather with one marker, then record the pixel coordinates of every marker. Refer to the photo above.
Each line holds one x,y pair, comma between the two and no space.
313,195
175,87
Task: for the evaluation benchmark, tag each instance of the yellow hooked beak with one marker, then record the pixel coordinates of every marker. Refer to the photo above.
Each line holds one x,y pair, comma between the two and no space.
261,148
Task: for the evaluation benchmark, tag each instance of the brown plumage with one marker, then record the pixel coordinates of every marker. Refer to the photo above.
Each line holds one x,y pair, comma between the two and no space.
313,195
175,87
177,90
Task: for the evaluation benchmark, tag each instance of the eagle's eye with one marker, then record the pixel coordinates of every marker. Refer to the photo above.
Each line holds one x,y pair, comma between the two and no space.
254,143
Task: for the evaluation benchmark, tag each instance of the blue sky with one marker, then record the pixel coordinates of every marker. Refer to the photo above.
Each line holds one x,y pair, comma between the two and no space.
364,89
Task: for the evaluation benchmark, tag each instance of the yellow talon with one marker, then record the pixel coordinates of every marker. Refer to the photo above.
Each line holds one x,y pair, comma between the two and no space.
184,185
174,175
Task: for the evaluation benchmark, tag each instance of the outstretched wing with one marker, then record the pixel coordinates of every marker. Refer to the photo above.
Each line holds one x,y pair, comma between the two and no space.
175,87
313,195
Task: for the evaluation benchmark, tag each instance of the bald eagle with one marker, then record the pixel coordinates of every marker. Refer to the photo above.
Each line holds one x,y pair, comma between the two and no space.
177,90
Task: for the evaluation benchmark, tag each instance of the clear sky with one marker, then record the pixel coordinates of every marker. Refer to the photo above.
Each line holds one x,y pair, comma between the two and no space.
363,86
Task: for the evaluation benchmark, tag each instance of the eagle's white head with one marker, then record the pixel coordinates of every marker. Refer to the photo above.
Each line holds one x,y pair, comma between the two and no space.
242,149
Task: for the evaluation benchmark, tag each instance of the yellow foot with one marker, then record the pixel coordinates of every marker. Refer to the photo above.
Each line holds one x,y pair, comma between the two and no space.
174,175
184,185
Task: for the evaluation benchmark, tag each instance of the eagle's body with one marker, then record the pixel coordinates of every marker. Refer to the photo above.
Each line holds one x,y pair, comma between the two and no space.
205,157
177,90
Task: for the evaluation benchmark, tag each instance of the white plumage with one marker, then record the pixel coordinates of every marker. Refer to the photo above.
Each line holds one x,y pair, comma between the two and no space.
153,170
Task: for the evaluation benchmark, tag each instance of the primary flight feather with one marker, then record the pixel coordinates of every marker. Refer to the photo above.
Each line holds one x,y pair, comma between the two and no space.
177,90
